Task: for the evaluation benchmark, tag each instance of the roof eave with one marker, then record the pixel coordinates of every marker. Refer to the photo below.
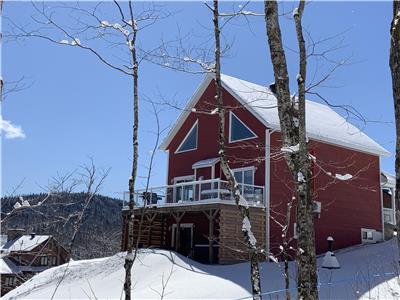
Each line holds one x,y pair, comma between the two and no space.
186,111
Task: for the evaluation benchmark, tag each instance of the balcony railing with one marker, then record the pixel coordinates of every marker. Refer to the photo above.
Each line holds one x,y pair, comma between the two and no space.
388,216
195,192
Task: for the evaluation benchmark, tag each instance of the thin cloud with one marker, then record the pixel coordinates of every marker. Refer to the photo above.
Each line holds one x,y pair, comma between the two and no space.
10,130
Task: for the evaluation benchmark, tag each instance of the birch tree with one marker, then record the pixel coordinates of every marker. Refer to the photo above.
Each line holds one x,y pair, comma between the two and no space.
394,63
198,60
233,185
121,34
291,111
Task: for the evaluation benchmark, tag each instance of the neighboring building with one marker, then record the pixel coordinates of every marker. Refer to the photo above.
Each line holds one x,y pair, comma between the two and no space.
22,256
194,213
388,184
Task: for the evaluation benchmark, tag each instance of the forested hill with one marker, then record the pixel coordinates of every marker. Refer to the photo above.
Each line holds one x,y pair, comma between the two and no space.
99,235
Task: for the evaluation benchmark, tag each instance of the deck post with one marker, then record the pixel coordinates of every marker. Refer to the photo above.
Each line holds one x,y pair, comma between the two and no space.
211,216
150,219
178,217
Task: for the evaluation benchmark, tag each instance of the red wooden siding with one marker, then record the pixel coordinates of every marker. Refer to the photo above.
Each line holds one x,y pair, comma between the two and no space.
239,154
347,206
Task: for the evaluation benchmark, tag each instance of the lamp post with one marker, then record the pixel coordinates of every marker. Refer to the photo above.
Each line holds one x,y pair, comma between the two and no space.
330,262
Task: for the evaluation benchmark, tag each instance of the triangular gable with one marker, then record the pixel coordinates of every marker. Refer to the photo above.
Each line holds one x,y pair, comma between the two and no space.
323,123
192,103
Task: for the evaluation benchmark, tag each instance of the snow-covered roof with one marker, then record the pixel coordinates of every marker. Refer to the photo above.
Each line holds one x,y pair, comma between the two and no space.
24,243
8,267
205,163
322,122
388,180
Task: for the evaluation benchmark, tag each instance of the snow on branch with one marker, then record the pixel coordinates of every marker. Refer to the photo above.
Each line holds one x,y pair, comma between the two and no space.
291,149
343,177
247,229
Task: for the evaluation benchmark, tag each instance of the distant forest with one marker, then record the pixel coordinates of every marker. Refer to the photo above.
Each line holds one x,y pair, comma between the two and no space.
99,235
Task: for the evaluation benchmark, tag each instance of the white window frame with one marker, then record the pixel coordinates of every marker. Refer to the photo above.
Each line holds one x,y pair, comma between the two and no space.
368,231
190,177
230,129
10,281
44,260
187,135
183,225
243,169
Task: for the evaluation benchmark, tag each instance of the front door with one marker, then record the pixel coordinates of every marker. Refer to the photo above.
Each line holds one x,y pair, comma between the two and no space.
185,246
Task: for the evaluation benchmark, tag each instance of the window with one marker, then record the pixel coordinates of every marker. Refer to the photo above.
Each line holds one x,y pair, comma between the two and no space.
183,192
190,141
367,235
43,261
245,179
10,281
238,131
52,260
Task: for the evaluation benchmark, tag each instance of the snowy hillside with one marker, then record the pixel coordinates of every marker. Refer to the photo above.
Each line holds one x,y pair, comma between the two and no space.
366,272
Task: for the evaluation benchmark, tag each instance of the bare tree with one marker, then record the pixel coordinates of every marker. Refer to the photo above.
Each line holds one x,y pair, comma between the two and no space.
176,55
291,112
119,35
93,183
61,187
394,62
232,183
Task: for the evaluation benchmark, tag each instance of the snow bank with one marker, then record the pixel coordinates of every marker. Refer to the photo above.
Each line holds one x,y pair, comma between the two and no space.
365,270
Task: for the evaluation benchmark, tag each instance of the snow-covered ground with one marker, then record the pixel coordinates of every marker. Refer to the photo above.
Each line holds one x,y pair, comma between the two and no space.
366,272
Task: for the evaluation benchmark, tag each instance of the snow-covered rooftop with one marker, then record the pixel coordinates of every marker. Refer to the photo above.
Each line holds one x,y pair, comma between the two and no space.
388,180
8,267
24,243
322,122
205,163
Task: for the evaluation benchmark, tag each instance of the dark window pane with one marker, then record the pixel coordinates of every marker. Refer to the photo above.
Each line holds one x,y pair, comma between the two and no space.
238,176
248,177
191,141
238,130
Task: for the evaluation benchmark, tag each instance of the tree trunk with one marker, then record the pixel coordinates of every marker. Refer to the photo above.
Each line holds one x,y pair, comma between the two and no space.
292,122
233,185
131,255
395,70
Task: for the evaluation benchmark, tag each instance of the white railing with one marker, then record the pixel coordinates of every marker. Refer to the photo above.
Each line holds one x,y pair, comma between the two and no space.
388,216
195,192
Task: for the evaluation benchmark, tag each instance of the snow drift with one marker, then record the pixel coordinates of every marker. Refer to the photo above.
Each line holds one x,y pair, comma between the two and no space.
366,271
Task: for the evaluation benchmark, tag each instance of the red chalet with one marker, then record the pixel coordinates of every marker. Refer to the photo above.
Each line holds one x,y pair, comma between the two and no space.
194,213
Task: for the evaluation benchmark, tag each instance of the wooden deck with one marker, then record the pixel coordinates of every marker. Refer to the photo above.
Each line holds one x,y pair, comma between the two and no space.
216,230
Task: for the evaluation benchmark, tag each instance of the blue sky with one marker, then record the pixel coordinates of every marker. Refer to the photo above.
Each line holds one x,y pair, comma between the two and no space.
76,107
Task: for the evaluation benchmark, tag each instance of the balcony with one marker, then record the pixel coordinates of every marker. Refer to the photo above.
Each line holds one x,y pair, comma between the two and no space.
195,193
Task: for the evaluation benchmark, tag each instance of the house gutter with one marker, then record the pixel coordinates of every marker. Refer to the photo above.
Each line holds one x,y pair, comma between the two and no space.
268,133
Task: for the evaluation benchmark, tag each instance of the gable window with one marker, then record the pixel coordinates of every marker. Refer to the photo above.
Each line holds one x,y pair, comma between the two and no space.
238,131
190,141
245,179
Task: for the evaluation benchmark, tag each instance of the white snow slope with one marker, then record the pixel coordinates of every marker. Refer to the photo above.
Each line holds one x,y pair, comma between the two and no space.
366,272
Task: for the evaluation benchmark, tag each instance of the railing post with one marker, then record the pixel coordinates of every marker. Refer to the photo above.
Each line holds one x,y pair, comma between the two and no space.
219,190
199,191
